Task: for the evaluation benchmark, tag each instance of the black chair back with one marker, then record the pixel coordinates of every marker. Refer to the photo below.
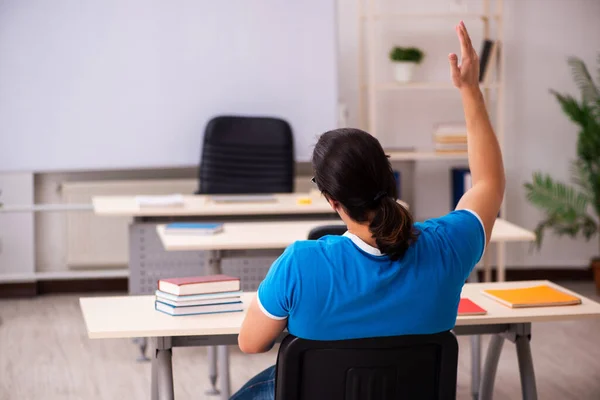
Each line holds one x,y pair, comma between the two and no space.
325,230
247,155
416,367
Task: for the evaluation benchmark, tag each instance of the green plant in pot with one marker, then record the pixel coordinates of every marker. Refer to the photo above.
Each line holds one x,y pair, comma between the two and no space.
574,210
405,60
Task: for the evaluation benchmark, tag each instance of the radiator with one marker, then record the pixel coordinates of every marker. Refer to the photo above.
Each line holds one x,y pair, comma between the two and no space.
99,242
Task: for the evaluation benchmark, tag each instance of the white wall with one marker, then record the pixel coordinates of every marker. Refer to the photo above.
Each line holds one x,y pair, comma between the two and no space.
539,35
103,76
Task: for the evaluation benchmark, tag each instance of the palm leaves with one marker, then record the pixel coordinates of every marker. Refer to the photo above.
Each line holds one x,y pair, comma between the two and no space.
583,79
566,208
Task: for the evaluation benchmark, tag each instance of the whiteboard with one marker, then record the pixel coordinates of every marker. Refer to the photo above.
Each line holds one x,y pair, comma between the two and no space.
112,84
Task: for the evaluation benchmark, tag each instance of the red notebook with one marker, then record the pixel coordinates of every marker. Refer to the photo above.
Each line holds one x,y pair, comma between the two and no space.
467,307
199,285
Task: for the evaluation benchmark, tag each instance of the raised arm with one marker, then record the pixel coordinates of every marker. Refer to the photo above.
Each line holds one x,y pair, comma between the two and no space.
485,158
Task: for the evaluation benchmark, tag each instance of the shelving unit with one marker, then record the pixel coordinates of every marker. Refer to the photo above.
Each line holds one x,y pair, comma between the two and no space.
423,155
424,86
373,87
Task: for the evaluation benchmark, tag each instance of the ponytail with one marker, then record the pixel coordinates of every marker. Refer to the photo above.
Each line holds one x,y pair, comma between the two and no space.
351,168
392,227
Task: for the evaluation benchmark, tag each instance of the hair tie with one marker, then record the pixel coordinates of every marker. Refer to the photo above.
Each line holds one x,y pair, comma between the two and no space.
379,196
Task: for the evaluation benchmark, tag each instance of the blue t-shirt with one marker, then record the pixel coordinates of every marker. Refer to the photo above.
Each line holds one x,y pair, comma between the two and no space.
339,287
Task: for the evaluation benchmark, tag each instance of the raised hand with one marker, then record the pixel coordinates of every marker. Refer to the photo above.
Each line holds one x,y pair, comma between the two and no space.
465,75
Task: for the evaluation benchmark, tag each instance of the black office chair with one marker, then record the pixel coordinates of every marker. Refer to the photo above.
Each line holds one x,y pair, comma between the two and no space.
415,367
247,155
325,230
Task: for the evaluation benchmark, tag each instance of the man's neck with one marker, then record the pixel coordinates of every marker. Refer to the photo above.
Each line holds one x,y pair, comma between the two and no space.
363,232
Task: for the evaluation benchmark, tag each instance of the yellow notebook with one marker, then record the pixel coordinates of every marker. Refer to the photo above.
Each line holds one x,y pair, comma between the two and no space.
535,296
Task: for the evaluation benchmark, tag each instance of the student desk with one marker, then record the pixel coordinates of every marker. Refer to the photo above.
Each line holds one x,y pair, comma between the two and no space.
201,206
147,255
279,235
134,316
148,261
260,235
502,233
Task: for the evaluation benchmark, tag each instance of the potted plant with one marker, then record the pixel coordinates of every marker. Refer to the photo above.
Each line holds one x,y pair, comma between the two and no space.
574,210
405,60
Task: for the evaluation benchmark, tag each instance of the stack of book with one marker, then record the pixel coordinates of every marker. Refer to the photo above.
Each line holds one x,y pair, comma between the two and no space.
450,138
199,295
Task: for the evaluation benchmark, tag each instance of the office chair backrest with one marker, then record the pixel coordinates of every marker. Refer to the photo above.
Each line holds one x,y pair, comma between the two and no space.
247,155
325,230
415,367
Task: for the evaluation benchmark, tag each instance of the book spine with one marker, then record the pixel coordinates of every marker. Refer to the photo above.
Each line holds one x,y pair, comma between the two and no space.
458,177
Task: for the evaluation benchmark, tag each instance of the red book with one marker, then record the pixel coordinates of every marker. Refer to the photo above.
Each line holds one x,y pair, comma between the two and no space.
199,285
467,307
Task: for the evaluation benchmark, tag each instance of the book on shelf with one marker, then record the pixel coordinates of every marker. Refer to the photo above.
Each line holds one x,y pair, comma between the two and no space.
487,59
461,182
199,309
534,296
450,138
454,148
193,228
171,200
469,307
199,285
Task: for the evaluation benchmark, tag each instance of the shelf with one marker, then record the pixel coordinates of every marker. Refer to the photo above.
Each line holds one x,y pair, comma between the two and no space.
457,16
64,275
423,86
25,208
424,156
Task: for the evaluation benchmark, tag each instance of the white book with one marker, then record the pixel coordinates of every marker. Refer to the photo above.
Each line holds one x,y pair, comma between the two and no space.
193,297
188,303
192,310
171,200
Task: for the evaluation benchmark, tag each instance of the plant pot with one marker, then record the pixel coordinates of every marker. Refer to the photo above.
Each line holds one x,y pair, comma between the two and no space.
404,71
595,264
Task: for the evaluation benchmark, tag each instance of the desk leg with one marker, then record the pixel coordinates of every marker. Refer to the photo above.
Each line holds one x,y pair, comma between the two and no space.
163,370
528,386
224,372
475,365
486,391
475,352
214,267
143,344
212,370
501,261
154,378
487,266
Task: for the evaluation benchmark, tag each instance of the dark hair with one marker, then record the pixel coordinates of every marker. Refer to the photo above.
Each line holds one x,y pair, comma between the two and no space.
351,167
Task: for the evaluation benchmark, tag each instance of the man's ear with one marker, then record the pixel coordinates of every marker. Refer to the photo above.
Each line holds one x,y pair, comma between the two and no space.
333,203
